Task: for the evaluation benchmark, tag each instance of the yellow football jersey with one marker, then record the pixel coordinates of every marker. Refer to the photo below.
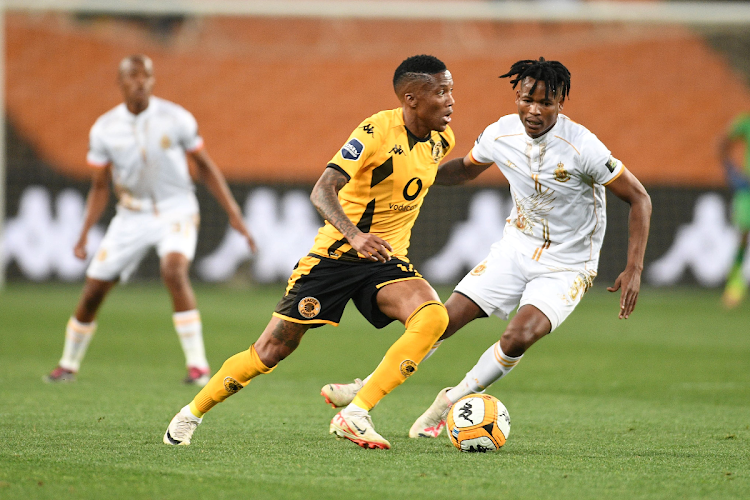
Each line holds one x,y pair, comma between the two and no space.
389,171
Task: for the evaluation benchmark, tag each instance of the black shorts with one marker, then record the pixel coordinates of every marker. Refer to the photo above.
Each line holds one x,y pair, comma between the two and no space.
319,289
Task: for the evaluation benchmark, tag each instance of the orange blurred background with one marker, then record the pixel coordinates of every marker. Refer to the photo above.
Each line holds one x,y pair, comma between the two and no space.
276,98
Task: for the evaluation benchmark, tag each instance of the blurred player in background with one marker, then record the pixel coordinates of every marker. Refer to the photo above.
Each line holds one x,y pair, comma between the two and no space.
369,195
738,178
549,253
141,146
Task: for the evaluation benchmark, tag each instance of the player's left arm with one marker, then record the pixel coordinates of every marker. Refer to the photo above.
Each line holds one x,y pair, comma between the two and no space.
459,171
629,189
214,180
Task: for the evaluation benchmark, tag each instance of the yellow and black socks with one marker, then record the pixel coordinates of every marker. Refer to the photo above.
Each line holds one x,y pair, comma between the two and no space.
423,328
234,374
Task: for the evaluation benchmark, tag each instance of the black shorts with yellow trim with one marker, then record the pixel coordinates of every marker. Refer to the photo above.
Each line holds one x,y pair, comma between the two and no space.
319,289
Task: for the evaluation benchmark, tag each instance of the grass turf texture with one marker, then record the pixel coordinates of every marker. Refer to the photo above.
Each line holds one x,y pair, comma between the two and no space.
657,406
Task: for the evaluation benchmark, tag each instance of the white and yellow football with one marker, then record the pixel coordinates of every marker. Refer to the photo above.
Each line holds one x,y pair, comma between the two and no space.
478,423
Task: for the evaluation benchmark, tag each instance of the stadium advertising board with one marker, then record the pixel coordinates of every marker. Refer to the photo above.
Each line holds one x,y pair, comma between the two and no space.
692,240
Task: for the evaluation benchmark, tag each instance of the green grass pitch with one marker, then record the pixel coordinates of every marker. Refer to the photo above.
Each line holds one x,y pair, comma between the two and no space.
657,406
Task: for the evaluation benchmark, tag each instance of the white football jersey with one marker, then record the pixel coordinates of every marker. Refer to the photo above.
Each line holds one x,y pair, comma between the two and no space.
147,154
557,184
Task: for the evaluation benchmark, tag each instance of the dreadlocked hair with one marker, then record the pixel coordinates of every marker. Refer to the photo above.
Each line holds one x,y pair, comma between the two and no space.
555,76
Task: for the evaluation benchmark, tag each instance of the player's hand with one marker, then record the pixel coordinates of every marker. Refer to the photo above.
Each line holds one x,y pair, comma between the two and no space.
239,225
79,250
630,282
372,247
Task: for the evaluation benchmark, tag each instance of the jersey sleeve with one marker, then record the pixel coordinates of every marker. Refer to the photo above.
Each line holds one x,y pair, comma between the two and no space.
597,161
481,153
97,155
189,138
363,142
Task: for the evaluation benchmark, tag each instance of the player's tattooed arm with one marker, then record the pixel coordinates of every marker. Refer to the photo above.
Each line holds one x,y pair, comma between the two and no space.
325,198
458,171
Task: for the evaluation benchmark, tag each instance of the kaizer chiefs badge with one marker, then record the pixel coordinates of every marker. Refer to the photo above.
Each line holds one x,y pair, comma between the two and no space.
231,385
437,151
561,175
309,307
408,367
165,142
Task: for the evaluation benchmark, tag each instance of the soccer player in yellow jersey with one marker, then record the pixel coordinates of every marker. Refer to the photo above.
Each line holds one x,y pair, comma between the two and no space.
369,195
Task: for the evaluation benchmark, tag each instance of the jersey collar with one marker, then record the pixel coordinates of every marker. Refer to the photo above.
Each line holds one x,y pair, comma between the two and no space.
543,137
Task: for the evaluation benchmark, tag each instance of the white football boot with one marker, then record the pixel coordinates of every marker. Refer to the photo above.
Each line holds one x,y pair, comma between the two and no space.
181,428
431,423
358,429
340,395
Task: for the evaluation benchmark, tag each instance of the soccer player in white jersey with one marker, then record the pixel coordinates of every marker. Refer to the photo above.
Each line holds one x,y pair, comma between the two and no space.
141,147
549,253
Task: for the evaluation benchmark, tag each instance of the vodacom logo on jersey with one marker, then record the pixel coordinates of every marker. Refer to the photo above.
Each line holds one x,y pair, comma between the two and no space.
411,191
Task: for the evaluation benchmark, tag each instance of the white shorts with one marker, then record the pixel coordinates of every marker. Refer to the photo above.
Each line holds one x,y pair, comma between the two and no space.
508,279
131,234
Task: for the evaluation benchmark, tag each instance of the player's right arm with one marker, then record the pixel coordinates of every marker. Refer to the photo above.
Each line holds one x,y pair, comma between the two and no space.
364,142
96,202
325,198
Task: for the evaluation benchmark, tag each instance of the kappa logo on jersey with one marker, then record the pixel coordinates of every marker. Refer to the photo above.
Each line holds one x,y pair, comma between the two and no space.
369,129
397,150
309,307
352,150
478,138
561,175
611,164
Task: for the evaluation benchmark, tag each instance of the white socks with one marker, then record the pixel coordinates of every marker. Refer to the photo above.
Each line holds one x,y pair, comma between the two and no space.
77,338
493,365
190,330
188,325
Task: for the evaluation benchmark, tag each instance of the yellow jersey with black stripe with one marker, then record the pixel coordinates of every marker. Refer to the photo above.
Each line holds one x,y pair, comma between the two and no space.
389,171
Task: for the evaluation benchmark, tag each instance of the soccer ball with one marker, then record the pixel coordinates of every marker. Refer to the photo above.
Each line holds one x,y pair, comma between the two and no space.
478,423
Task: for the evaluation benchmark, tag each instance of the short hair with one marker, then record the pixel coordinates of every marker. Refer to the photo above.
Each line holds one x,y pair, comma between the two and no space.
555,76
141,58
417,68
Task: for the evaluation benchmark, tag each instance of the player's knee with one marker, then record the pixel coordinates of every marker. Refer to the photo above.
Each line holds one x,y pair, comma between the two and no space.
174,276
518,338
432,317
